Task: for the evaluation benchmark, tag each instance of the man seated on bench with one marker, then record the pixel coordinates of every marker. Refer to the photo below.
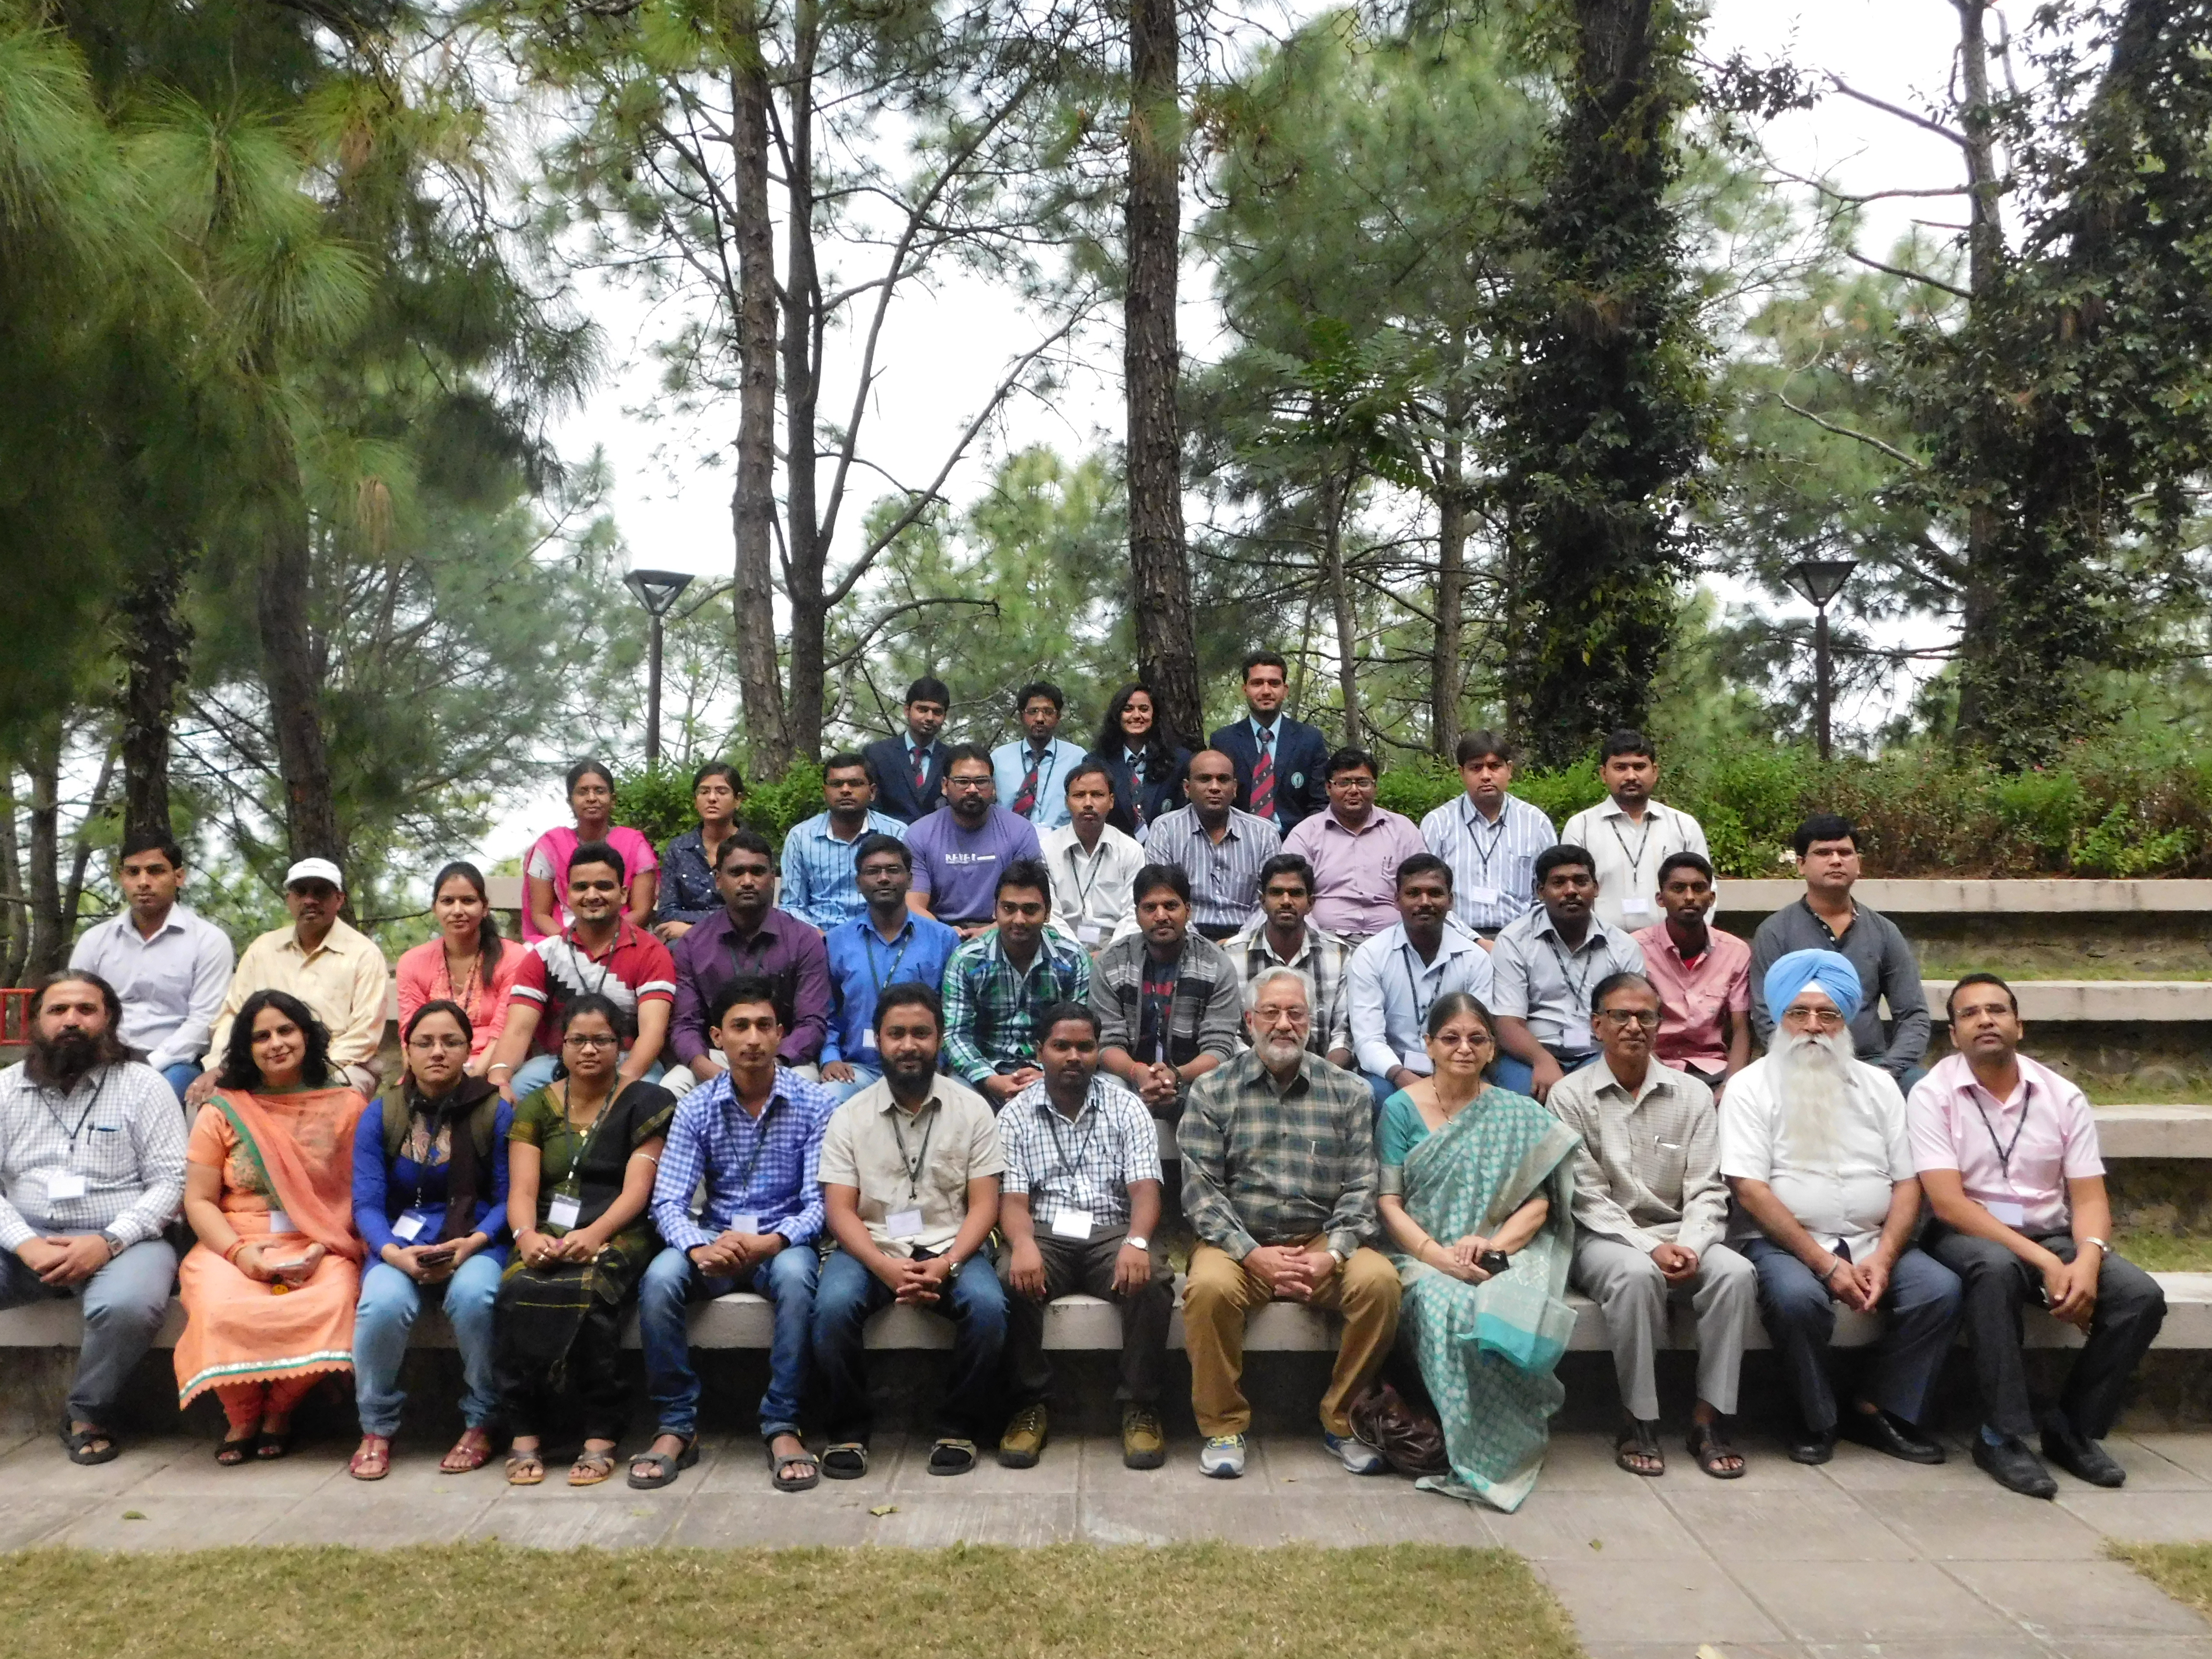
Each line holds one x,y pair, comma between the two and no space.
1278,1181
2007,1149
753,1134
1080,1212
910,1169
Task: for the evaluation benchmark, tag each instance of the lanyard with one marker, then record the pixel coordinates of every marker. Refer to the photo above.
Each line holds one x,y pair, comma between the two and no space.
584,960
585,1139
1097,863
91,1102
1497,835
2004,1152
422,1164
922,1156
1159,1003
760,1140
1407,957
1636,859
1578,990
1072,1165
868,939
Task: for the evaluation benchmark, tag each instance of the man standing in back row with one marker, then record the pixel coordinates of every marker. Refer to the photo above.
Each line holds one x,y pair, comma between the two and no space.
1355,848
1032,771
910,770
1630,834
1279,761
170,966
1490,838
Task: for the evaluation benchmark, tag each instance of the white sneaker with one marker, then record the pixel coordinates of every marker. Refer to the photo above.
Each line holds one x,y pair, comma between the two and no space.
1356,1455
1222,1456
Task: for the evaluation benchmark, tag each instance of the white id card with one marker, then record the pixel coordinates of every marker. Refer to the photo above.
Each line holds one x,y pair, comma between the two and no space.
1575,1039
744,1222
903,1224
1071,1224
1089,932
1638,906
66,1185
280,1222
1416,1060
563,1210
2011,1212
408,1228
868,1041
1480,895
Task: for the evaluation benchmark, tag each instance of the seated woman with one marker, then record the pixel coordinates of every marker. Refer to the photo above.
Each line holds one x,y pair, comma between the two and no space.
1472,1172
467,965
581,1158
430,1197
268,1290
545,868
687,864
1146,762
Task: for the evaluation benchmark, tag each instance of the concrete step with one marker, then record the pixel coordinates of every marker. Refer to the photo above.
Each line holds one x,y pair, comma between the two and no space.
2179,1132
2108,1001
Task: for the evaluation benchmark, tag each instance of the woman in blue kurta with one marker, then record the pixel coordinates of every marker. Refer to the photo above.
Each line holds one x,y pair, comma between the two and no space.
430,1197
1467,1169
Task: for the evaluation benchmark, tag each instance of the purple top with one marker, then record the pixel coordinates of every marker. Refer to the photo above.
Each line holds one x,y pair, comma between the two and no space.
958,870
1355,876
783,949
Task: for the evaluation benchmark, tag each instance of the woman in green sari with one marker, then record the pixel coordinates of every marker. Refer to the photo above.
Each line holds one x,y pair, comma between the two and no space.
1471,1171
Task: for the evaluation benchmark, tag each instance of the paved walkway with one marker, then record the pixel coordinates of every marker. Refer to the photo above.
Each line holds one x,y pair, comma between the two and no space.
1864,1558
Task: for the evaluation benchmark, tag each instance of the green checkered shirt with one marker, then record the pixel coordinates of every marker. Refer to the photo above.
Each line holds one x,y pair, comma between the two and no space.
991,1006
1264,1166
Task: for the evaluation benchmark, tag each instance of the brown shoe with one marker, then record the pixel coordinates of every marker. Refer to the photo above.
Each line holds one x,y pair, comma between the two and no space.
1023,1442
1144,1443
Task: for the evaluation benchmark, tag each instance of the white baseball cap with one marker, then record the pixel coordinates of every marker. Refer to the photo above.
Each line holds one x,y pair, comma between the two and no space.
314,870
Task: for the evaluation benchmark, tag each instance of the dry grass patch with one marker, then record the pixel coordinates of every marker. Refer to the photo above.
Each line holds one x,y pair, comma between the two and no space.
2164,1252
494,1601
2182,1570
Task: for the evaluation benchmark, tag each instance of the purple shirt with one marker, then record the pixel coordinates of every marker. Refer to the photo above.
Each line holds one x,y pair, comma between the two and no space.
783,950
1355,876
956,870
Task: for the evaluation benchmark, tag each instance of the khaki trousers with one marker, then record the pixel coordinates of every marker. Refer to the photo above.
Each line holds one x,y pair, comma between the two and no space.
1219,1294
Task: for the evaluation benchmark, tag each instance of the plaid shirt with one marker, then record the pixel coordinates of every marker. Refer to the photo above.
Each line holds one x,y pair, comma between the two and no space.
991,1006
128,1146
1087,1164
1264,1166
1321,960
1204,1016
770,1167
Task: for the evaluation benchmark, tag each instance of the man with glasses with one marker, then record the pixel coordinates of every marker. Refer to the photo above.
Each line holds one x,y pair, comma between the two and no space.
1813,1146
1355,850
1395,979
1031,772
1650,1209
960,848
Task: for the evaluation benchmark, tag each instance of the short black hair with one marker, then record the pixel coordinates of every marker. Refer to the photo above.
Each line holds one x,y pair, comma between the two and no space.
1474,745
152,841
907,993
1566,852
1612,983
1083,770
1422,864
1286,864
965,752
876,842
1951,1002
1627,740
1824,826
583,768
1061,1011
742,987
844,761
598,851
929,689
1686,859
1045,689
1034,873
1349,760
719,769
1262,659
1173,877
743,838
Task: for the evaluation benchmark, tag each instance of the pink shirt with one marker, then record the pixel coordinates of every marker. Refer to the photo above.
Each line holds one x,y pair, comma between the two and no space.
421,977
1691,998
1355,876
2021,1181
548,861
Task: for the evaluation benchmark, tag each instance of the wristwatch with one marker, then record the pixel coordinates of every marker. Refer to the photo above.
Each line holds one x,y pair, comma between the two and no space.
1138,1242
115,1246
1337,1256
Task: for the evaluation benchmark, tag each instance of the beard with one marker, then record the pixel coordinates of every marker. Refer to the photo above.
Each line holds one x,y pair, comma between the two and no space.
1276,1050
61,1062
1815,1089
911,1071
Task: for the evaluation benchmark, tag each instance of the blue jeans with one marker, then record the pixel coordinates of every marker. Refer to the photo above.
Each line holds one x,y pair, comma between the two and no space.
535,1073
974,1301
389,1302
1921,1307
862,1077
1519,1077
123,1304
673,1282
180,1078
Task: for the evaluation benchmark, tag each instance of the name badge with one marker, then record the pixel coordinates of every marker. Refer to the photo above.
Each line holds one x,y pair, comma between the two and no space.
280,1222
1575,1039
1640,906
2011,1212
563,1210
868,1041
1414,1059
63,1185
1480,895
745,1221
409,1227
1089,932
903,1225
1071,1224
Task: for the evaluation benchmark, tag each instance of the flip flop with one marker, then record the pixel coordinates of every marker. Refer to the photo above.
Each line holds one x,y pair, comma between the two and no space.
951,1457
666,1466
778,1463
78,1444
845,1460
519,1466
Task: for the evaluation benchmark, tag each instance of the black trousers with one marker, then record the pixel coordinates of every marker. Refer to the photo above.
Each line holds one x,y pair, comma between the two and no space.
1070,1265
1999,1285
591,1373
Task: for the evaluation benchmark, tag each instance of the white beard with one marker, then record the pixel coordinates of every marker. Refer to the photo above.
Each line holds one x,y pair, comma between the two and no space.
1813,1086
1280,1050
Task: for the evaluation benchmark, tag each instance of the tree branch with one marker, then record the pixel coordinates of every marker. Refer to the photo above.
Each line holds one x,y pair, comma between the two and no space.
1909,276
859,647
1898,110
1867,438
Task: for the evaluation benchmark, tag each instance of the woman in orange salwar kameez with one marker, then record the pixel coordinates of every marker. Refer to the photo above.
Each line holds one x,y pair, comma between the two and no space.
269,1290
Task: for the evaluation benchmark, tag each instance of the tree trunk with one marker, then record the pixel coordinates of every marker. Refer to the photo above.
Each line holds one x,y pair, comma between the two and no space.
1167,634
288,648
804,575
14,907
1335,495
48,945
752,505
156,644
1444,672
72,897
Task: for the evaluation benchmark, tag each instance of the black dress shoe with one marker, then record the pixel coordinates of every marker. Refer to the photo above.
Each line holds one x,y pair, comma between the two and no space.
1811,1445
2014,1467
2081,1457
1890,1435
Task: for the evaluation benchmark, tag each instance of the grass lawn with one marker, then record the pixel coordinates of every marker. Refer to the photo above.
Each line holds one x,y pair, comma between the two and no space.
2164,1252
1942,965
492,1602
2182,1570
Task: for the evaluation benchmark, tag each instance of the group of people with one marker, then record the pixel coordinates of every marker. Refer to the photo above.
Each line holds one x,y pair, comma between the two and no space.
1429,1077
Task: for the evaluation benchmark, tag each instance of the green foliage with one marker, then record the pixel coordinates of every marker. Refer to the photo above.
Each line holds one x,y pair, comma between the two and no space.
1416,787
774,808
1560,794
655,801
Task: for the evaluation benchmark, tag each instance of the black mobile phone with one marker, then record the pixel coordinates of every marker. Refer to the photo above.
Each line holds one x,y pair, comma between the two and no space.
1493,1261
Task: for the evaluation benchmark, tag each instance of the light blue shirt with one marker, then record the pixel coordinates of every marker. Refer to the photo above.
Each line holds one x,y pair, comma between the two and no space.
1390,991
1493,865
862,967
171,985
820,886
1010,765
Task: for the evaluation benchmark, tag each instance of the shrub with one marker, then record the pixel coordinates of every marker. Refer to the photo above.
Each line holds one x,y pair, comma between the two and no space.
655,801
1417,788
1560,795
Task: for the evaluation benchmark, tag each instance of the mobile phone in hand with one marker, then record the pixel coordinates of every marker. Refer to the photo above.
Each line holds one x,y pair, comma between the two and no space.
1493,1262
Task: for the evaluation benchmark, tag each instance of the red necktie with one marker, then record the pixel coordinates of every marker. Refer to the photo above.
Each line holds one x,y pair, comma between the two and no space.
920,771
1026,797
1263,779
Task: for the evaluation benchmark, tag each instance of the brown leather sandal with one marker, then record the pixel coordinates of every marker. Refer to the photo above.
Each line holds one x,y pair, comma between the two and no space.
469,1453
372,1460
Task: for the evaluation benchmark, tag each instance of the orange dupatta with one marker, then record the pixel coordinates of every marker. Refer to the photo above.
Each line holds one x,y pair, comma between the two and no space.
303,1144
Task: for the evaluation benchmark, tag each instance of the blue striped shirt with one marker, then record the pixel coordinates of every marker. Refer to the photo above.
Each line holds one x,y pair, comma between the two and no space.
1493,865
820,886
770,1169
861,967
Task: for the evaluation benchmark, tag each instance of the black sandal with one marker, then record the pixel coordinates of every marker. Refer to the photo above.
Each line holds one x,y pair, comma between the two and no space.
847,1460
951,1457
233,1453
1639,1439
666,1466
778,1462
268,1448
1709,1447
79,1443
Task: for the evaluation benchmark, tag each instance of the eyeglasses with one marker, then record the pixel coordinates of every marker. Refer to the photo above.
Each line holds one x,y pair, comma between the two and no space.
572,1041
1283,1016
1353,782
968,783
1647,1017
1827,1019
1462,1040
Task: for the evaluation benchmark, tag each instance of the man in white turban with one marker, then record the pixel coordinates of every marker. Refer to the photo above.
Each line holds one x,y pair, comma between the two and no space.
1813,1146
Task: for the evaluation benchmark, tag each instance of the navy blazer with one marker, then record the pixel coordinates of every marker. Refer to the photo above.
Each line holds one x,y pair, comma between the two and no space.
896,795
1161,794
1301,758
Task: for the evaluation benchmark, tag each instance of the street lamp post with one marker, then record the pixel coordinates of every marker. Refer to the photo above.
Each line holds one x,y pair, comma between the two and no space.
657,590
1819,581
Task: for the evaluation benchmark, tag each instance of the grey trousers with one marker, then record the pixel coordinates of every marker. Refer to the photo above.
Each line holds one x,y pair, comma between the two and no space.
124,1305
1627,1285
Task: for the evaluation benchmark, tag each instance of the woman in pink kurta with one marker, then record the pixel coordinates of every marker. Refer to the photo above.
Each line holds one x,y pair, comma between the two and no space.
468,964
545,870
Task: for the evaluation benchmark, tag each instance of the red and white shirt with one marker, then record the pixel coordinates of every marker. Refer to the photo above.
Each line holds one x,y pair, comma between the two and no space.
635,969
